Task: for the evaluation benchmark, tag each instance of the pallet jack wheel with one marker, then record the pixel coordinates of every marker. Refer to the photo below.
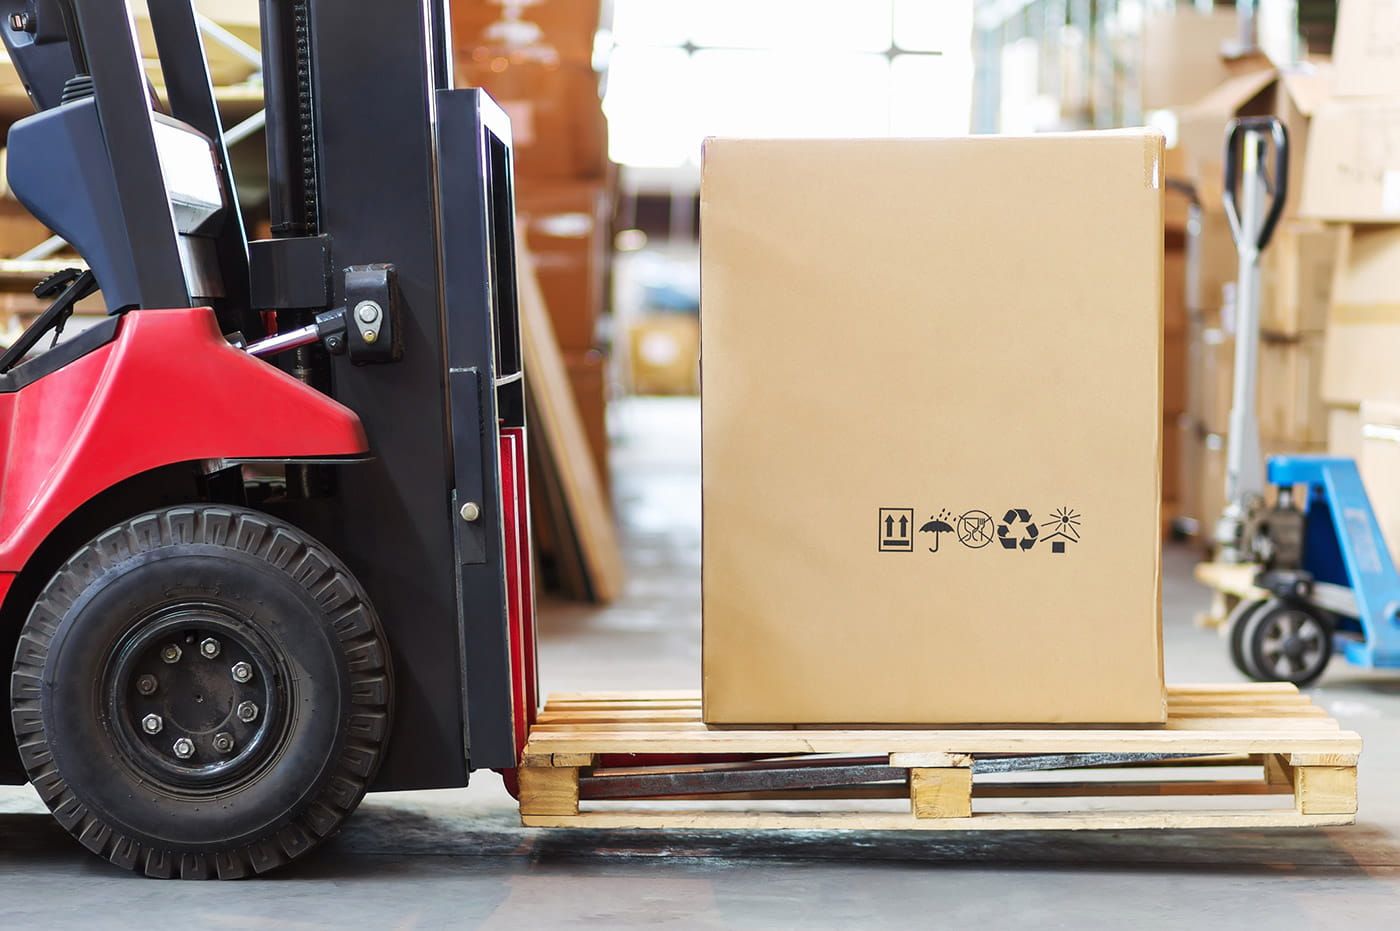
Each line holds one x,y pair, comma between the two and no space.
1235,627
1287,641
202,691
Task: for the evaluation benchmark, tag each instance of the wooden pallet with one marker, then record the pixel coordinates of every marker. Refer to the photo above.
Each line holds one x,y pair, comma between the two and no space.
1233,743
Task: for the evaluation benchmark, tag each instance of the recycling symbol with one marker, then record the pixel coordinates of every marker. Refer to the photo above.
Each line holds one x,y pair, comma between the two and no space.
1017,519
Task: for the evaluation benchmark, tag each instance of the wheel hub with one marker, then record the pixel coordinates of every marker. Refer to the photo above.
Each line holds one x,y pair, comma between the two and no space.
194,694
1292,644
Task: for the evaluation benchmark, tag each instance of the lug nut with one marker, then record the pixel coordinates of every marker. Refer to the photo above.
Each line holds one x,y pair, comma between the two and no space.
184,748
171,653
223,741
247,712
242,672
209,648
152,724
146,685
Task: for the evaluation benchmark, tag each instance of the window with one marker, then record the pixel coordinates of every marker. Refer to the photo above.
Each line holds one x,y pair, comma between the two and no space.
682,70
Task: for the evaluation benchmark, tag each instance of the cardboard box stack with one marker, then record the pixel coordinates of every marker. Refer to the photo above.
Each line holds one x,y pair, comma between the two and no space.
535,58
1297,410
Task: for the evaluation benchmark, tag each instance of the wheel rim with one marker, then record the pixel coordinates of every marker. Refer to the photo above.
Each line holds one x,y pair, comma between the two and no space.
194,697
1292,644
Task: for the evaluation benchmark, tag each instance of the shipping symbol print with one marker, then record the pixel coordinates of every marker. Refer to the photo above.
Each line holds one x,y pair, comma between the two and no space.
1062,529
937,526
1017,530
896,530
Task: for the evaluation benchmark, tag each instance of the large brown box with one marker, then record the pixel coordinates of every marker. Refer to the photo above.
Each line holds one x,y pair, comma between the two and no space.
1344,430
558,130
1212,262
1379,463
566,227
1296,278
588,378
1366,47
1363,327
1352,170
566,28
931,485
1289,406
19,231
1182,56
1293,94
664,354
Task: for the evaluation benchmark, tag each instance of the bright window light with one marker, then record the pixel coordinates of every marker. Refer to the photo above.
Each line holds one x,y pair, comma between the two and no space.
791,94
686,69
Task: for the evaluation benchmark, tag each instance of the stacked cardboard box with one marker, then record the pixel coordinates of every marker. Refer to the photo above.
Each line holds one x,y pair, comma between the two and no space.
1296,279
1330,296
1352,180
535,58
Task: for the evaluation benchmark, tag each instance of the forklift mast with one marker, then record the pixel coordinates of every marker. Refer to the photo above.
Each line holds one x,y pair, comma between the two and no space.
387,187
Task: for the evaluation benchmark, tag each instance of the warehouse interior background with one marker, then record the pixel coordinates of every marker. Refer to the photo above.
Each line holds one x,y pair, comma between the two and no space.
610,103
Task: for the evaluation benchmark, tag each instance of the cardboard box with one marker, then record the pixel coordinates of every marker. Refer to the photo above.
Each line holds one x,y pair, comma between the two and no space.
1290,396
1174,372
887,413
1288,389
1366,47
558,130
665,354
19,231
1293,93
1171,463
1183,56
588,378
1352,170
1363,330
1379,463
1202,498
1174,307
567,229
1296,278
1344,431
1200,126
1211,363
565,28
1178,195
1212,263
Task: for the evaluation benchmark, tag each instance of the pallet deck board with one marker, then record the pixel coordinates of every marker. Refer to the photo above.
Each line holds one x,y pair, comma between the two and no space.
1237,744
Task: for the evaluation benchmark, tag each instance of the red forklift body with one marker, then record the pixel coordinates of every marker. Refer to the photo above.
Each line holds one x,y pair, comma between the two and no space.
168,389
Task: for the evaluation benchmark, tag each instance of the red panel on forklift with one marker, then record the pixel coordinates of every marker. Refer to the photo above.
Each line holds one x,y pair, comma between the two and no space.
169,389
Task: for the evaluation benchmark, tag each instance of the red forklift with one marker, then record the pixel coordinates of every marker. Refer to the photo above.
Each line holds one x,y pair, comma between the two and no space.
272,508
277,471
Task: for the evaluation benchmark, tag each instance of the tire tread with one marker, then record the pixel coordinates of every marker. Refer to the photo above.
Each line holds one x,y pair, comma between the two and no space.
350,617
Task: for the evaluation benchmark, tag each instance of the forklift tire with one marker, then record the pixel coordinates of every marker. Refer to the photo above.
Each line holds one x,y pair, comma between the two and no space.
1287,641
202,691
1238,620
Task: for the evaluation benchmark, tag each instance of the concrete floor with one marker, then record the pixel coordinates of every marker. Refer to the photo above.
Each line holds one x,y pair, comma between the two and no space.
460,858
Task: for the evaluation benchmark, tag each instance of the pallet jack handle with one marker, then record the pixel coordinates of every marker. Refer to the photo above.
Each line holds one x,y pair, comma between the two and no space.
1254,203
1246,132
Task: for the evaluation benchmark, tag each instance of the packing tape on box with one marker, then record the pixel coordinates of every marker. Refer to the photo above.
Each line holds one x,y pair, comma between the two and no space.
1381,431
1362,314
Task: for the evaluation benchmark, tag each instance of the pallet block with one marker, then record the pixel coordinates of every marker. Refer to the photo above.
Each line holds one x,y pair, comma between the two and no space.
594,759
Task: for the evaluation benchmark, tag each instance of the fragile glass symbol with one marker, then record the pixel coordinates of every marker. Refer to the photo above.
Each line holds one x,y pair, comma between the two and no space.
1064,528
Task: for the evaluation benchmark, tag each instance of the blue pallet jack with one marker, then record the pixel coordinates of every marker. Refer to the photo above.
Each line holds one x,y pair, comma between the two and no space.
1312,572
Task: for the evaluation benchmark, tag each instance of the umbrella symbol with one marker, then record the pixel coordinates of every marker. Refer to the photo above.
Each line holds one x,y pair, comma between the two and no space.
936,527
